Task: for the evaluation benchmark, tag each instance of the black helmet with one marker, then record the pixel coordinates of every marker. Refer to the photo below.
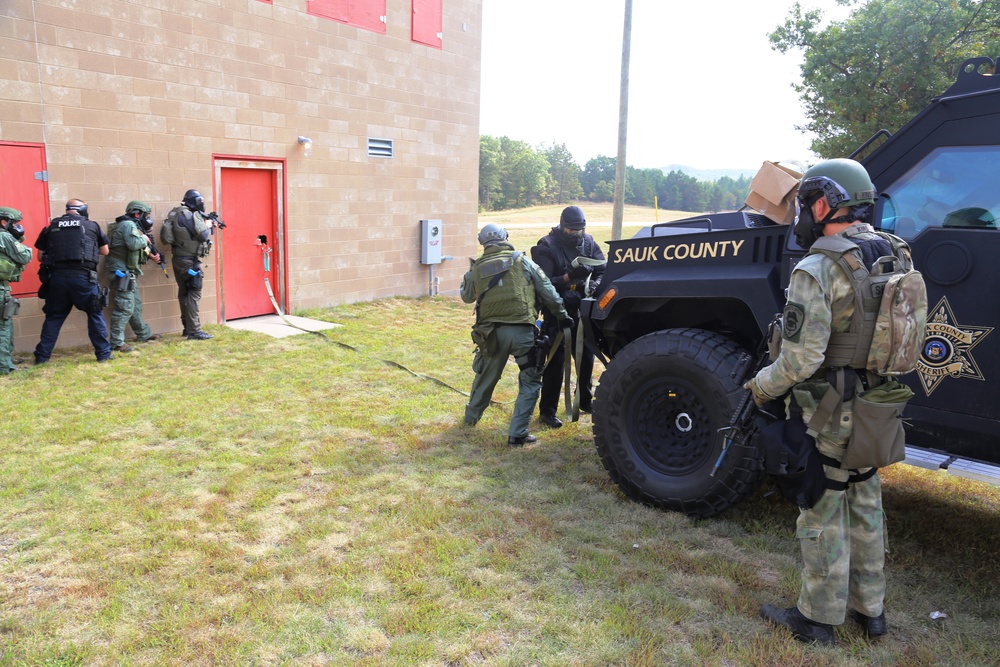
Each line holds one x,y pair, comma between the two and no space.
572,218
194,201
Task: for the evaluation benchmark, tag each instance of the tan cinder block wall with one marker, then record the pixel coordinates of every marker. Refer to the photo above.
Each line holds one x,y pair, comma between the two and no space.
133,100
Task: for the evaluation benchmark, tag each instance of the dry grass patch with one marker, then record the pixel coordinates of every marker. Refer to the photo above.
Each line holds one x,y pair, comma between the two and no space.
292,502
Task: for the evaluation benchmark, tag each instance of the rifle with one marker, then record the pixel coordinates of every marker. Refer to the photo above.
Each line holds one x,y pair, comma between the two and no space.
216,221
743,426
151,244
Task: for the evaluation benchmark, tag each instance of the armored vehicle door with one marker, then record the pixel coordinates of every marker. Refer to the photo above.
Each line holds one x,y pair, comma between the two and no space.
946,207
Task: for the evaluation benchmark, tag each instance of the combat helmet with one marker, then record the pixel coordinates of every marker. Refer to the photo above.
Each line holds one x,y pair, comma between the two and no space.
845,183
492,233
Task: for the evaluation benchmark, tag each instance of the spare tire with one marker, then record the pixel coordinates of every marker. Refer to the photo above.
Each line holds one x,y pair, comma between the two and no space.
657,414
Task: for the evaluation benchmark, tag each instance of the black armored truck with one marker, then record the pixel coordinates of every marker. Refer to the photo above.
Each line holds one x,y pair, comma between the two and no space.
684,304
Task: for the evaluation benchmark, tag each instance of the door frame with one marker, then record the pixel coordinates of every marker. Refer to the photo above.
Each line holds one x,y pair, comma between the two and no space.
279,244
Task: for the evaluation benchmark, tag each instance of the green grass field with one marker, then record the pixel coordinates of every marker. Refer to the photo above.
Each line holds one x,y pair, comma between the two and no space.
260,501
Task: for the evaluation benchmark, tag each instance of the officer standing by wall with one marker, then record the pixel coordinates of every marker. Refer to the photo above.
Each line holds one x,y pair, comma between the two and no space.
504,285
843,535
71,246
555,254
129,249
14,256
186,231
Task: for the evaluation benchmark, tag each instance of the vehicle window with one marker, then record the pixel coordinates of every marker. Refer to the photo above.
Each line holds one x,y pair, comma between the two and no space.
951,187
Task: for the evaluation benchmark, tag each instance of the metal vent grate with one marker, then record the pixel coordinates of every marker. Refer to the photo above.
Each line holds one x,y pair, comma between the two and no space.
379,147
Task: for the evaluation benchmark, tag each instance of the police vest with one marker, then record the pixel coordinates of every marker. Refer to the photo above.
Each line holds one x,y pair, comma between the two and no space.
850,349
118,248
72,243
181,240
512,299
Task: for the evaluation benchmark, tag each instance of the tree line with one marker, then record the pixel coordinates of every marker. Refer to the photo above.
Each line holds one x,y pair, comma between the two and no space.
874,70
513,174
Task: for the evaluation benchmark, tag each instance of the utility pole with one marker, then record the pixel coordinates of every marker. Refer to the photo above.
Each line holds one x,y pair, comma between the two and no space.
618,212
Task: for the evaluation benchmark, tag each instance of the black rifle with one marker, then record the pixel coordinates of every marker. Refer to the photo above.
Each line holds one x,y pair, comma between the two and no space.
151,244
743,426
218,222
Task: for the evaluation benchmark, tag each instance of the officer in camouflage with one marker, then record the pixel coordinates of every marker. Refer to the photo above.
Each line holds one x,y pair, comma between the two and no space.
187,233
505,284
842,536
128,250
14,256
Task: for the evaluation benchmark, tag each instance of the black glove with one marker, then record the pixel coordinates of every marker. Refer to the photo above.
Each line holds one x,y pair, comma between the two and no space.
567,323
571,301
580,272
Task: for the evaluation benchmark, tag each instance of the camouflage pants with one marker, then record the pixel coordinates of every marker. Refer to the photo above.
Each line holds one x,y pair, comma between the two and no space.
843,540
6,333
507,340
127,310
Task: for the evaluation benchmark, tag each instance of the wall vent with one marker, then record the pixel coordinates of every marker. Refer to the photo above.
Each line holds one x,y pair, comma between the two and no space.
379,147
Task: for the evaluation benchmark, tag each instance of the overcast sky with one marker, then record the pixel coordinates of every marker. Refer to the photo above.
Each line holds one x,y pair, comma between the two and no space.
705,88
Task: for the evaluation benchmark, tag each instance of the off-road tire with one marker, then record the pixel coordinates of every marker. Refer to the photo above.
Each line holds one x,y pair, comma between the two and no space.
657,414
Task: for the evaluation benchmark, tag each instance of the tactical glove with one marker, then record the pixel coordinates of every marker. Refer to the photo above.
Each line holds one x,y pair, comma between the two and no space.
567,323
759,397
578,273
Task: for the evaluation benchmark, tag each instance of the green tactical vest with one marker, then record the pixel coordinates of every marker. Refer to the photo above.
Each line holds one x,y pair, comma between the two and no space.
512,299
119,250
850,348
183,243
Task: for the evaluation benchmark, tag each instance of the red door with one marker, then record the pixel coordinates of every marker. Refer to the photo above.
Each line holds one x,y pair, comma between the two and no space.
249,208
23,186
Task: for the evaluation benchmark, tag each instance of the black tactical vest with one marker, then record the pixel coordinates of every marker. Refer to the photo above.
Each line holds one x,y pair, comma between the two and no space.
71,243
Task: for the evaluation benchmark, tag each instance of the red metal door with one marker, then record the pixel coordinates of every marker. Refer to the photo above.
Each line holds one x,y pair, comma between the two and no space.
249,207
23,186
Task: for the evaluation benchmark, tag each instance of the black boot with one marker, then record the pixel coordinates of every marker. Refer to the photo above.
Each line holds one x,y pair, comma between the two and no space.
550,420
874,626
802,628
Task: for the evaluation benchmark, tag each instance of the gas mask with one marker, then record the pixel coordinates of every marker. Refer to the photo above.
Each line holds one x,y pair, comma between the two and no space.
145,223
806,229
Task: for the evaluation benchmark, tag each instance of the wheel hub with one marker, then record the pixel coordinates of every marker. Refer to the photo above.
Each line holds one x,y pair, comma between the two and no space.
671,428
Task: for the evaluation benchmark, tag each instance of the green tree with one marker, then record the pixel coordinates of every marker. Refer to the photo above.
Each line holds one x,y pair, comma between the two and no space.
490,183
564,174
881,65
598,174
524,174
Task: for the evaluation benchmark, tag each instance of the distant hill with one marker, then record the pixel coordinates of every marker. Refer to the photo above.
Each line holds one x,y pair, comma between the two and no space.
711,174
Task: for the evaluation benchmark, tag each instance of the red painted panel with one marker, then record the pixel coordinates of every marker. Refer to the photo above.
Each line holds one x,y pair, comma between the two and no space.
427,22
21,190
365,14
250,209
338,10
368,14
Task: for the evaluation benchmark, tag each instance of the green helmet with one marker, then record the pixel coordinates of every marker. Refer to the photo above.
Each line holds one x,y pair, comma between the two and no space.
12,214
844,183
138,206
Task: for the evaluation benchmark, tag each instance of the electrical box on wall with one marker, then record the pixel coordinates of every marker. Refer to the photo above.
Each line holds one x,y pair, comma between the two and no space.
431,237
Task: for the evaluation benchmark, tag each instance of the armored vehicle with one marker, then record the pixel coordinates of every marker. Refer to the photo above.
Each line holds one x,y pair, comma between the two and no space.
682,304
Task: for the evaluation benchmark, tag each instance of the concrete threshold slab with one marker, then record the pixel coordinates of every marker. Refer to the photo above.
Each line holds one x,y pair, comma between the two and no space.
273,325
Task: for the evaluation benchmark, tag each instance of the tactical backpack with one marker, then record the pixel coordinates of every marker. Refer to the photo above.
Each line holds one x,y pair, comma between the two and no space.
890,309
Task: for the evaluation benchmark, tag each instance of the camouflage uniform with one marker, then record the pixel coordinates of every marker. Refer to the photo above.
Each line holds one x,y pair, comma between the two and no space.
15,256
510,305
128,249
843,536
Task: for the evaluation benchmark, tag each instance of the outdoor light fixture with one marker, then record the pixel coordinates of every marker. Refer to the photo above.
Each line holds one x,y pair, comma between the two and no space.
307,146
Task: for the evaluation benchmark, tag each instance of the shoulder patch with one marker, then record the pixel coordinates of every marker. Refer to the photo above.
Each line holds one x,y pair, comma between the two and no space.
792,319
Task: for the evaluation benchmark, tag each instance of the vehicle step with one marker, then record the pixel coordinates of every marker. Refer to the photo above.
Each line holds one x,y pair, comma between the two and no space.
968,468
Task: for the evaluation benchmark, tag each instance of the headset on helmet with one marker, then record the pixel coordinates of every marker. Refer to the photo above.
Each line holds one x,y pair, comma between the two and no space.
81,209
194,201
843,183
572,218
492,233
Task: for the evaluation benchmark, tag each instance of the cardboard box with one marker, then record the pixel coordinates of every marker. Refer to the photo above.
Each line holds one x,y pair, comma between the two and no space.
772,192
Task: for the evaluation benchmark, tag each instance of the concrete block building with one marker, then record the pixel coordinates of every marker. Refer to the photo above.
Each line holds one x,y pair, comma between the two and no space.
325,130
